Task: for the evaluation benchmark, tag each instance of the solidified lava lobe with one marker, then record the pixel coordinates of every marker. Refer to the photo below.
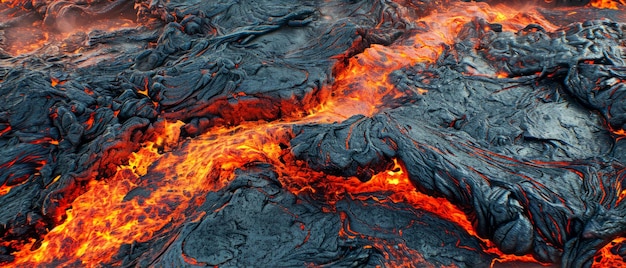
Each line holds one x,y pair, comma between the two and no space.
362,133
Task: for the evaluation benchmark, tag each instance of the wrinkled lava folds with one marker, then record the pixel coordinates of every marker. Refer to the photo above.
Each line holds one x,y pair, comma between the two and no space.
381,133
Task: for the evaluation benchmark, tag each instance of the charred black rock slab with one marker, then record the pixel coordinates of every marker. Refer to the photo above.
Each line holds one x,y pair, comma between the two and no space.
255,221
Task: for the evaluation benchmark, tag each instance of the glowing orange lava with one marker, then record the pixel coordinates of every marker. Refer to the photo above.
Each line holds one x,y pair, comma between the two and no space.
5,189
609,4
11,3
605,258
31,36
370,69
155,191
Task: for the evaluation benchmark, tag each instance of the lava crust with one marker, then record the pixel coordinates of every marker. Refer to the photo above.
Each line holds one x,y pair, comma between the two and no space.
318,133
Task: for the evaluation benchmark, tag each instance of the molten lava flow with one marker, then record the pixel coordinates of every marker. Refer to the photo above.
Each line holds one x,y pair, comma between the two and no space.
609,255
28,41
4,189
151,194
36,36
11,3
390,186
610,4
369,70
156,191
51,27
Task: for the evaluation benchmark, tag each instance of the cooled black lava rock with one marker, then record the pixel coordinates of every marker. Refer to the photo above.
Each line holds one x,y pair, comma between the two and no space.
255,222
528,157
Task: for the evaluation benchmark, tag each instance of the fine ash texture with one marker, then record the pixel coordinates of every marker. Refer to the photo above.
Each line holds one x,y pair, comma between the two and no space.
530,157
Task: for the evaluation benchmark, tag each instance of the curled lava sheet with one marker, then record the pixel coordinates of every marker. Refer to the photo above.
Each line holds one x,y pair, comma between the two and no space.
318,133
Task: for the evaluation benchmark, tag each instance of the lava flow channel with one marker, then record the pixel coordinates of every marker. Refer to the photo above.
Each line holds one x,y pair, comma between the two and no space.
180,141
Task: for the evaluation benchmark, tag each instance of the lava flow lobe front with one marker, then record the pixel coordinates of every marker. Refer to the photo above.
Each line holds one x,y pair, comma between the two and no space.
319,133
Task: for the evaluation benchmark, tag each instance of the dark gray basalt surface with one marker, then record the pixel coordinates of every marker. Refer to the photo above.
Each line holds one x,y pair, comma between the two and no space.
256,222
529,157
